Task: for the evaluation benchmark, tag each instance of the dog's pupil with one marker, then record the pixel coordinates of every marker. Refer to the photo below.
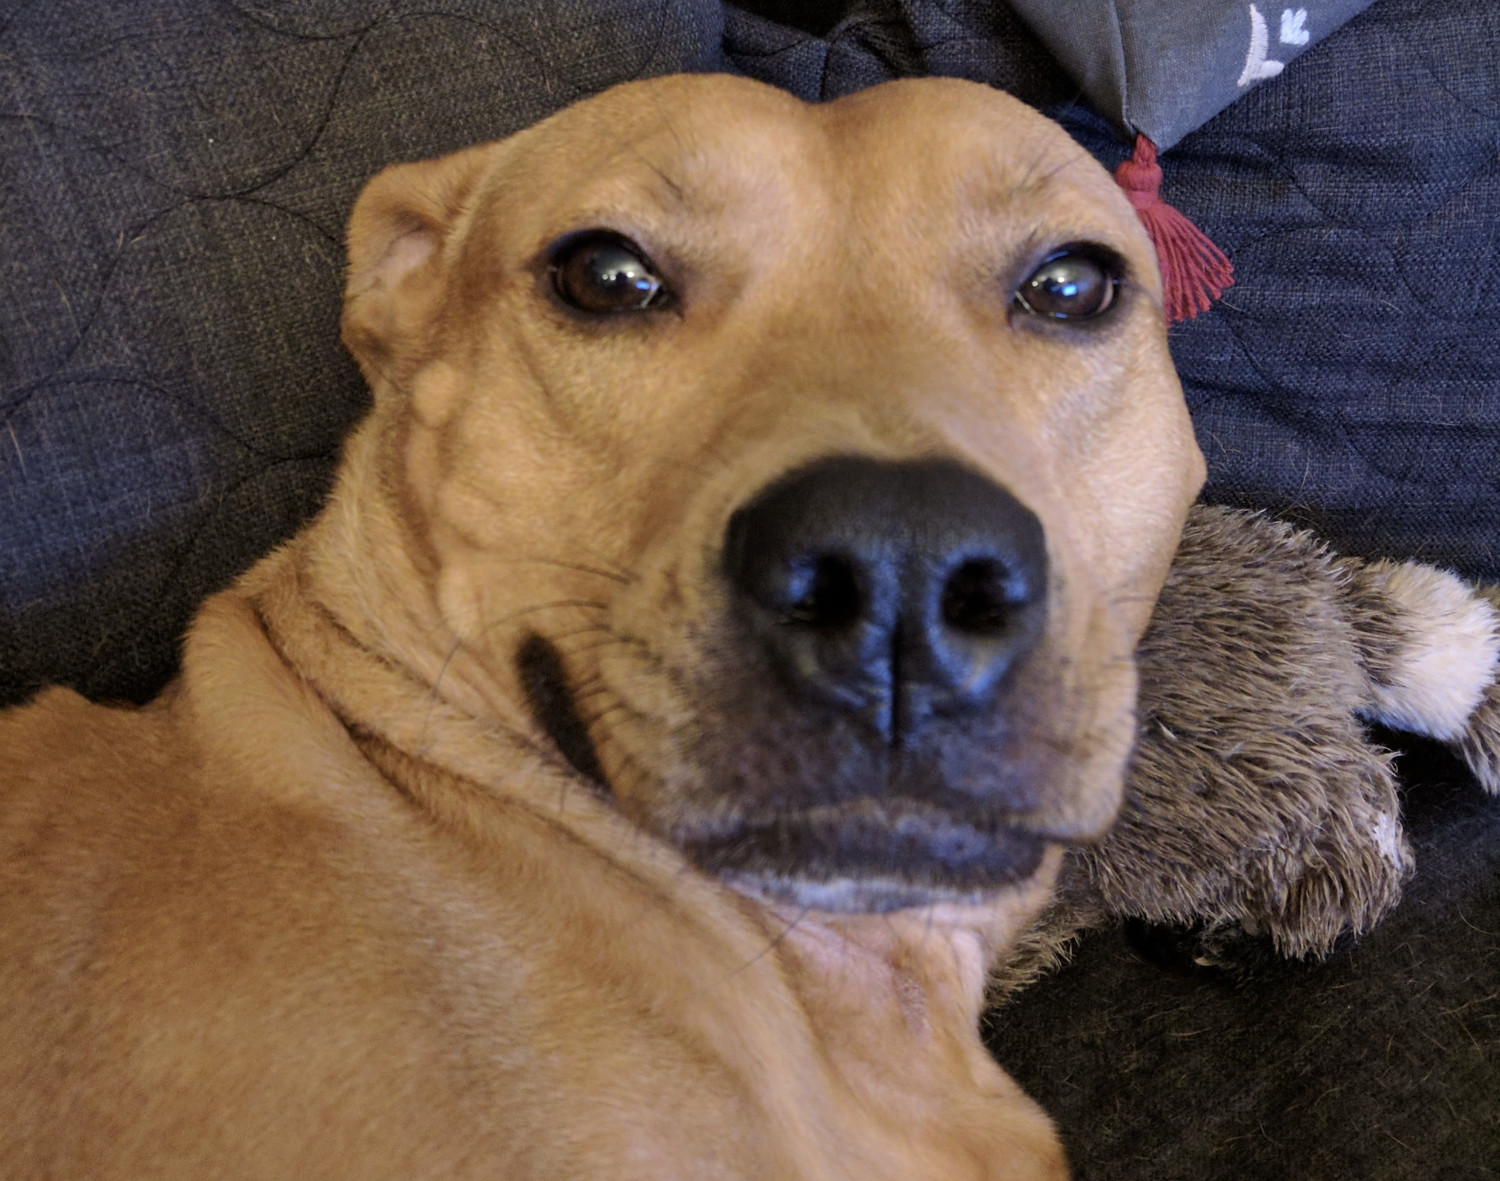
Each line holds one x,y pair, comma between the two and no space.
1068,285
619,274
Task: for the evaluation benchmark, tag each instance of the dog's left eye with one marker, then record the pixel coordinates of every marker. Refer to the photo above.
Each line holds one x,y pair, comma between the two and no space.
1075,283
604,274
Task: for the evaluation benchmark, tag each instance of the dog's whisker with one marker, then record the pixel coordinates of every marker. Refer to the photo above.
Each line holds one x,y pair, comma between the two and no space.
640,838
1132,600
604,561
554,605
611,640
623,577
619,707
433,696
772,945
584,699
629,780
461,641
586,630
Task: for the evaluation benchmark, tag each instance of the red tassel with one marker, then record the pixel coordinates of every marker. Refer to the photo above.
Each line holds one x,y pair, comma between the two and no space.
1194,272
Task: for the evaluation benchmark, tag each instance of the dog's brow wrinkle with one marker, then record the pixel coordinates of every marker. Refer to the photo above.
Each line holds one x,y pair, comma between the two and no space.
666,119
677,190
587,629
1031,182
599,645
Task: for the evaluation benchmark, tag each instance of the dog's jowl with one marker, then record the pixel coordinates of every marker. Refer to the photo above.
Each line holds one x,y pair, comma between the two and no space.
719,626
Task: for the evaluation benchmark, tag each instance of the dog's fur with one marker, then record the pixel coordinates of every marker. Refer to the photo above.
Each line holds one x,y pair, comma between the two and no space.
337,903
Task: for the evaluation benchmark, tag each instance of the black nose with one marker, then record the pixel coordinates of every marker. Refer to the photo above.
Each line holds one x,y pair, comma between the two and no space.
892,591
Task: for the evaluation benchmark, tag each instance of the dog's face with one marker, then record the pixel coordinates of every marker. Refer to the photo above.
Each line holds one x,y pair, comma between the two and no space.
806,474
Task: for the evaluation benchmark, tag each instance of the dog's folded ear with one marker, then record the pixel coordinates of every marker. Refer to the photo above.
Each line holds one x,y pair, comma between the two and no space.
401,234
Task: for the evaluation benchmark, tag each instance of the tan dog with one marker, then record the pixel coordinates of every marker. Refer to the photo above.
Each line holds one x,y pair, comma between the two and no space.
717,626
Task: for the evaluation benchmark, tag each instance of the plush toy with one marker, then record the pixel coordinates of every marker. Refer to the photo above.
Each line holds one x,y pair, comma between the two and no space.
1257,803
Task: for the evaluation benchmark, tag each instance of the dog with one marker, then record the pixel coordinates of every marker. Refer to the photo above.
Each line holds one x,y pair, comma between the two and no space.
718,628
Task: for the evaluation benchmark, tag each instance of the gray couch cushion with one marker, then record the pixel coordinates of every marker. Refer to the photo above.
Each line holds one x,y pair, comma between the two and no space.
174,182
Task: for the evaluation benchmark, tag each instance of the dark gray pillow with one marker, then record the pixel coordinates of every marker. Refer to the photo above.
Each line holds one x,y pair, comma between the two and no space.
1164,69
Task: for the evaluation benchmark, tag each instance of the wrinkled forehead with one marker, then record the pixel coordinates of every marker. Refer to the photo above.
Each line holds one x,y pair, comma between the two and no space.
659,153
936,158
973,144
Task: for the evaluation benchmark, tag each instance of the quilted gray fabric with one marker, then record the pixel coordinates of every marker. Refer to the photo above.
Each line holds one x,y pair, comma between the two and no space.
174,182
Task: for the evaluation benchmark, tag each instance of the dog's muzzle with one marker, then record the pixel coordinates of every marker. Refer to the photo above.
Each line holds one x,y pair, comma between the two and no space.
890,603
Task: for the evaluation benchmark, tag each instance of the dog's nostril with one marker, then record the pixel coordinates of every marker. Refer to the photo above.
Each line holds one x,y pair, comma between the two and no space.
824,592
980,598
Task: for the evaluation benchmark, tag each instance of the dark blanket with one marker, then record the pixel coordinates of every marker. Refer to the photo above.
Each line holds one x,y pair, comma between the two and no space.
174,178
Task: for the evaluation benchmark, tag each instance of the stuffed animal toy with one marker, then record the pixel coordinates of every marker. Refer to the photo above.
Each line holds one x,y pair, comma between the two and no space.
1258,803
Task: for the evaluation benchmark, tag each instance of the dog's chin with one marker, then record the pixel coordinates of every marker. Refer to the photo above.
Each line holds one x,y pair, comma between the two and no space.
870,858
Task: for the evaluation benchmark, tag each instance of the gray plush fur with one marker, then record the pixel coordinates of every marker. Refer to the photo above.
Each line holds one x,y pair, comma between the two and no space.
1257,802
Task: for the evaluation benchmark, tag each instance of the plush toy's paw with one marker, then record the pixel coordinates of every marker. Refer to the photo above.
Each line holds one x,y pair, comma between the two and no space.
1479,744
1297,840
1430,644
1255,799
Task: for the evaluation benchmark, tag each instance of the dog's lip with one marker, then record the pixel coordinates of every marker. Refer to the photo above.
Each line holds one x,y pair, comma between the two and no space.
870,856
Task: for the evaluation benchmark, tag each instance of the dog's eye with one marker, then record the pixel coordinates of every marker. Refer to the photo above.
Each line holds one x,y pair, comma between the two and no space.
1075,283
604,274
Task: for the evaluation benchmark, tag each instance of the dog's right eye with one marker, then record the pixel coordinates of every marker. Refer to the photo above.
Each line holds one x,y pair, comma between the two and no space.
604,274
1078,282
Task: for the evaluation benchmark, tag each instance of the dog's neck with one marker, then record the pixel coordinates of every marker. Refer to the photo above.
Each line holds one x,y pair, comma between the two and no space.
348,604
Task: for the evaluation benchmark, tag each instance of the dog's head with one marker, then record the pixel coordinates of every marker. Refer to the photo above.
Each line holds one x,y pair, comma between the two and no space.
808,473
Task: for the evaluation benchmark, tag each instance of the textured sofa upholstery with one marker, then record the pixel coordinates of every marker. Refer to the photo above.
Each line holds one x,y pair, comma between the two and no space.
174,178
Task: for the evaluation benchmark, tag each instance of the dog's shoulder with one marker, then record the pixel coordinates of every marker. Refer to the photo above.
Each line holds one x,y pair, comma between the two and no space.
57,725
68,764
235,784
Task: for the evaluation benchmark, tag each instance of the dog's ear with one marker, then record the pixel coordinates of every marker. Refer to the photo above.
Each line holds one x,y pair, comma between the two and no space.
399,238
